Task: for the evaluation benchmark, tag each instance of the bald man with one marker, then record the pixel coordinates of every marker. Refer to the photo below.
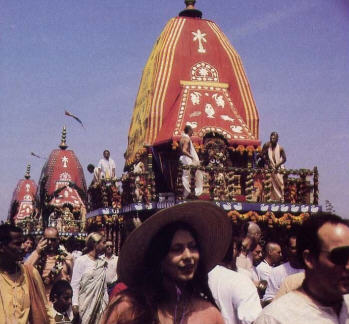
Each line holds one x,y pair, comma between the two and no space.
254,232
51,260
272,259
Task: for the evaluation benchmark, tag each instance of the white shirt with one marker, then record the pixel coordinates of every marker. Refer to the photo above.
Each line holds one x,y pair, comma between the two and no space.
255,277
298,308
235,295
106,167
276,278
111,275
76,254
81,265
263,270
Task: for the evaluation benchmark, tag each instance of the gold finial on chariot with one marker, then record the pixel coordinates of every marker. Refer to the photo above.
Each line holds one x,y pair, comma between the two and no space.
63,144
27,173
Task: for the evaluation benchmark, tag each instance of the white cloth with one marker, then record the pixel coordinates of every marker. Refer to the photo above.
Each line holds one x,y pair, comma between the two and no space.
245,272
111,268
93,295
81,264
76,254
276,278
277,180
254,273
263,270
298,308
235,295
245,266
245,261
186,160
106,168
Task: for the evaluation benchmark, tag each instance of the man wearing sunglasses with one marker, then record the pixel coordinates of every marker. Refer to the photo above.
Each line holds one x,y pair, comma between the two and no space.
112,261
51,259
323,248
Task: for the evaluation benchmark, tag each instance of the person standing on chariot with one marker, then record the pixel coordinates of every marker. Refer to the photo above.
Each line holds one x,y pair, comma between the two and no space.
189,157
275,156
106,167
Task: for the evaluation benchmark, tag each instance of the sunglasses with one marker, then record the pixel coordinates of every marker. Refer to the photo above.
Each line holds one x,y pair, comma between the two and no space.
339,255
109,246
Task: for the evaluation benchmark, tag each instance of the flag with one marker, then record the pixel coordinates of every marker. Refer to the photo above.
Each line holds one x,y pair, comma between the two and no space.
67,113
37,156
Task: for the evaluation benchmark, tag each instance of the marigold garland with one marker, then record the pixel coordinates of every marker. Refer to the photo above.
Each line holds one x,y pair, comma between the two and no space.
286,220
56,269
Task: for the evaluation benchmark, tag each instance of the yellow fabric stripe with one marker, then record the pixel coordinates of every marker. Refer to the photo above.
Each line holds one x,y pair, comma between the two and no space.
163,71
233,54
251,111
254,111
167,79
247,91
157,53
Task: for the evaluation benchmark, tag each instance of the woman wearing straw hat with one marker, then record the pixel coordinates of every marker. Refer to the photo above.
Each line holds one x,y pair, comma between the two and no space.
165,262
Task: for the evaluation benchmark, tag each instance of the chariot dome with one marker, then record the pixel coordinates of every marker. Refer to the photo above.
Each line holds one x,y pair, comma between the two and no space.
22,205
62,186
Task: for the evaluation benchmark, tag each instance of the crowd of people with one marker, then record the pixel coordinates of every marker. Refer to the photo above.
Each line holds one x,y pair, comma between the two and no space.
182,265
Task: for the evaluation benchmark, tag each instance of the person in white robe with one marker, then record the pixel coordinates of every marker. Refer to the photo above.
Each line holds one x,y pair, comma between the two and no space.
90,296
190,157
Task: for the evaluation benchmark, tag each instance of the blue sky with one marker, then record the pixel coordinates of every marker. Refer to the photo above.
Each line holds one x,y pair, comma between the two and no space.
88,56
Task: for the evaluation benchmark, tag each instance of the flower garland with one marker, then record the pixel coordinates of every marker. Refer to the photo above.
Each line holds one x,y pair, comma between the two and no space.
286,219
56,269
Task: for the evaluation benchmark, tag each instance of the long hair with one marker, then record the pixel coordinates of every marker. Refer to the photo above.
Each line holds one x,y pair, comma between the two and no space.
149,292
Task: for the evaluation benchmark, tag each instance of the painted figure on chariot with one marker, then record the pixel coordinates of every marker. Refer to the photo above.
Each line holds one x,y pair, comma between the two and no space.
140,185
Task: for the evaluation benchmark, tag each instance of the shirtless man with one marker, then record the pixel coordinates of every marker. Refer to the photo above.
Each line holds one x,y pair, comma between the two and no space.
190,157
275,157
272,160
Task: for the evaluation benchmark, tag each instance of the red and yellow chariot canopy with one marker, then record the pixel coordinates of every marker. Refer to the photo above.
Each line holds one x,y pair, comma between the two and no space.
193,76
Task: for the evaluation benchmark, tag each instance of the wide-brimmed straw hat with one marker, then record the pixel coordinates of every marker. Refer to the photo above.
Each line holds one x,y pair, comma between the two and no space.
210,222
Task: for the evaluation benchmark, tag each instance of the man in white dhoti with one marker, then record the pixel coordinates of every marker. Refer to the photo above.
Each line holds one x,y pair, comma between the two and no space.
275,156
190,157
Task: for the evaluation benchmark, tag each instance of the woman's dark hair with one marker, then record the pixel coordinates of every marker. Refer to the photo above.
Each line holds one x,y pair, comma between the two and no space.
29,237
149,292
58,288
